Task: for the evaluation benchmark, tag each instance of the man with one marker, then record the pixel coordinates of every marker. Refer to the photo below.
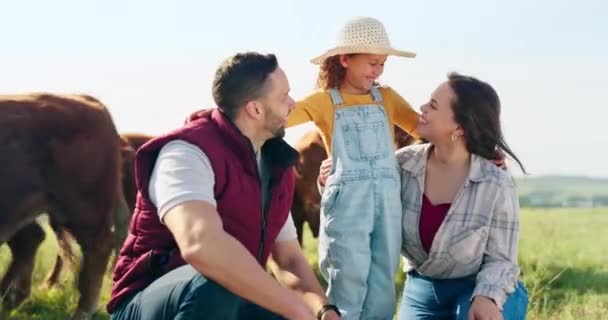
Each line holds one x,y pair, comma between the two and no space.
213,204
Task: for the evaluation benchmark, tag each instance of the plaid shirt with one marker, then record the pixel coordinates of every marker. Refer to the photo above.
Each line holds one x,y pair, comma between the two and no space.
480,233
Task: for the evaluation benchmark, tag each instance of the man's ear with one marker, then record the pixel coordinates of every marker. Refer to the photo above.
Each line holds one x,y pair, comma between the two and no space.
253,109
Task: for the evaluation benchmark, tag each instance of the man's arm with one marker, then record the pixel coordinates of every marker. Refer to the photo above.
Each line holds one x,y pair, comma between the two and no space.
203,243
293,271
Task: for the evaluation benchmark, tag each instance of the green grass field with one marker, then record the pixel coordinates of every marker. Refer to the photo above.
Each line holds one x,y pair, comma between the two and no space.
563,257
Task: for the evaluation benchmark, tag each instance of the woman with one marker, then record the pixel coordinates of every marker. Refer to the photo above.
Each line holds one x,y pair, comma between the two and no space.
460,211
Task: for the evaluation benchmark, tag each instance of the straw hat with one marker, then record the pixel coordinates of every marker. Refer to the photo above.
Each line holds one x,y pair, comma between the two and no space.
363,35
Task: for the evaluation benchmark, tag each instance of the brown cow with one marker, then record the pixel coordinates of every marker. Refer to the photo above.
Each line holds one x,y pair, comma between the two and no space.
136,140
129,143
307,200
58,154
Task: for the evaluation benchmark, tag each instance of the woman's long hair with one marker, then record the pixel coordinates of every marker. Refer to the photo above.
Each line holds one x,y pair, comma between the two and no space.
477,110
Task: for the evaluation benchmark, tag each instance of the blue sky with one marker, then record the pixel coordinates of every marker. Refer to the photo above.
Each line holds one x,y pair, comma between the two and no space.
151,62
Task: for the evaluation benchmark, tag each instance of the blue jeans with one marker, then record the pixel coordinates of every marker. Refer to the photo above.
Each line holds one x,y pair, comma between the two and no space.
184,294
428,298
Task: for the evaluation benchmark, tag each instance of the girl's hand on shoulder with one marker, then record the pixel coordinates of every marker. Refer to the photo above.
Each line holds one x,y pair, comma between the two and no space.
324,171
500,160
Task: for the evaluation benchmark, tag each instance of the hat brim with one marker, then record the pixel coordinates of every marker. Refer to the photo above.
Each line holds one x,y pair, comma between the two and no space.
360,49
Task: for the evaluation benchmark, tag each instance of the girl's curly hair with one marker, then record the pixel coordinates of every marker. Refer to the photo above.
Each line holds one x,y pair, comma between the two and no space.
331,73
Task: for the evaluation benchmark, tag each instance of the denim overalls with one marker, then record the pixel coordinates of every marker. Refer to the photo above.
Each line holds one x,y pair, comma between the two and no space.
360,236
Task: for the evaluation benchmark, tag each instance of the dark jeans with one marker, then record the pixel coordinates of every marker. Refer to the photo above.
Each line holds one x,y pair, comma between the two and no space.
428,298
184,294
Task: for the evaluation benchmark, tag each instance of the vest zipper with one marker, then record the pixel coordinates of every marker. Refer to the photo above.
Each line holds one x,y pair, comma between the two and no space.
264,216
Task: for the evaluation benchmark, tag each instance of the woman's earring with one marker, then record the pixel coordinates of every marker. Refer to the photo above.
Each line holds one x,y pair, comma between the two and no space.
454,137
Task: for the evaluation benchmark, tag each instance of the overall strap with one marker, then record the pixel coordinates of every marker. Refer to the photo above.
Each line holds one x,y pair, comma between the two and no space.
376,94
335,97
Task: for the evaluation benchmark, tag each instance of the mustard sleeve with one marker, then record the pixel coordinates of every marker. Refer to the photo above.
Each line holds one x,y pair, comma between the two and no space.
301,113
404,115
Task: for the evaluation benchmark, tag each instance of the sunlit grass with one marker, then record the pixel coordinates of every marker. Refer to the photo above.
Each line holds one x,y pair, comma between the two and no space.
563,257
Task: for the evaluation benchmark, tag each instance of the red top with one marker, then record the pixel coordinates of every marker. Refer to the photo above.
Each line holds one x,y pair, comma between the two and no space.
431,217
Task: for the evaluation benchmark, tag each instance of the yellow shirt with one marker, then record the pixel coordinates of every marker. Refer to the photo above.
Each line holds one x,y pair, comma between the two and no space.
318,107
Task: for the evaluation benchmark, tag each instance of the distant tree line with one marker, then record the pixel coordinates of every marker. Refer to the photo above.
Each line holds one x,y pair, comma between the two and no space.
546,199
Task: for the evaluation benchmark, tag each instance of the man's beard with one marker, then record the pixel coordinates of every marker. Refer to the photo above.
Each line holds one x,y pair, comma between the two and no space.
277,132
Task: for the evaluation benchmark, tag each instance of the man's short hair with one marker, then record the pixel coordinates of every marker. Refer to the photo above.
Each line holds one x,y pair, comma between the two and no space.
241,78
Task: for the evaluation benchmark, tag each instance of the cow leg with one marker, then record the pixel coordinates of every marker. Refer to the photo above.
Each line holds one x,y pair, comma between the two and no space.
52,278
313,217
298,219
64,253
300,231
96,245
16,285
122,218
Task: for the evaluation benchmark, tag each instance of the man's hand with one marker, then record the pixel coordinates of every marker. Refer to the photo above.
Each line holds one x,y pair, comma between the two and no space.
484,308
302,313
330,315
324,171
293,271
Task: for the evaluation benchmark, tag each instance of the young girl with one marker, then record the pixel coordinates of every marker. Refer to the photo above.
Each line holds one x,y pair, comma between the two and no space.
360,234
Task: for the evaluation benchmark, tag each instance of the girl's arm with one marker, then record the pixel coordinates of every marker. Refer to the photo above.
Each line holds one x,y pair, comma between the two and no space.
301,113
404,115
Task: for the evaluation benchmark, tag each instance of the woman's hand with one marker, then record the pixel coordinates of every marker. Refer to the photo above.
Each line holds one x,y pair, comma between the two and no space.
501,160
484,308
324,171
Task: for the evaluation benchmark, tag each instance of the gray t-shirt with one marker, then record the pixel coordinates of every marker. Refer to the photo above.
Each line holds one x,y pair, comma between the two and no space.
183,173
